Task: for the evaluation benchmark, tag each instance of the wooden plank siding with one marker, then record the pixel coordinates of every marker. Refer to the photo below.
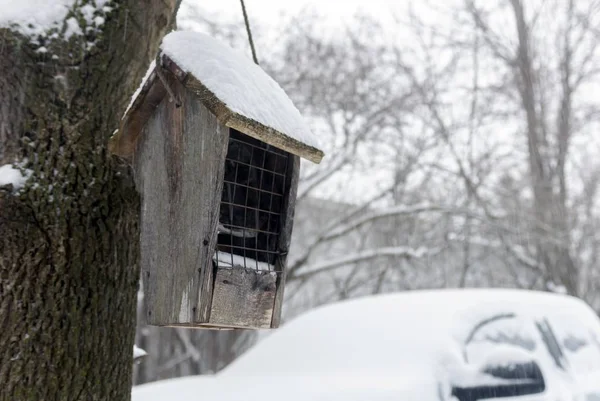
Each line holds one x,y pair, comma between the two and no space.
178,159
243,298
179,163
287,224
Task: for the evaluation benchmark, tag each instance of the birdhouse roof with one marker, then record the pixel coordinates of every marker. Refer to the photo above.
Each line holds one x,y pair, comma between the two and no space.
238,92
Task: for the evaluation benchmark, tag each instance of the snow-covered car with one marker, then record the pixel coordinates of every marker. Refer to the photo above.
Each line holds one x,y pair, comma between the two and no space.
421,345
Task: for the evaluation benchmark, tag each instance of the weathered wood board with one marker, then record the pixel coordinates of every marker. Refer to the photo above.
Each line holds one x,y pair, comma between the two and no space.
243,298
287,224
179,169
179,165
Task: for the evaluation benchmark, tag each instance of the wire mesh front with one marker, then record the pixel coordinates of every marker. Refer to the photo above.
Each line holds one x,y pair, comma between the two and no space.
251,204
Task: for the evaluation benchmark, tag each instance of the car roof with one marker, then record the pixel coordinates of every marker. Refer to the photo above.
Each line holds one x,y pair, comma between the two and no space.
355,349
377,332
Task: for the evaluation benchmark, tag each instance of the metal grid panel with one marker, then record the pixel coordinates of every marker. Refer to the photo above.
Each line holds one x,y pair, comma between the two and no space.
251,204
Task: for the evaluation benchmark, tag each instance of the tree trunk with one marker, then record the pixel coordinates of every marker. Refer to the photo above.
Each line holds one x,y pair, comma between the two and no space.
69,237
549,203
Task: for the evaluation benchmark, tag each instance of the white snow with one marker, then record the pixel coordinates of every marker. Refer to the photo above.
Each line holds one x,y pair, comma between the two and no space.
559,289
397,210
73,28
404,332
407,334
11,175
88,12
146,77
138,352
242,85
360,256
36,17
231,260
405,346
300,388
506,355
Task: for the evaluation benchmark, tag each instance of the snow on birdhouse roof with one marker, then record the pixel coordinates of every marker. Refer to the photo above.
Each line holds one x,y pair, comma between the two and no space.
238,92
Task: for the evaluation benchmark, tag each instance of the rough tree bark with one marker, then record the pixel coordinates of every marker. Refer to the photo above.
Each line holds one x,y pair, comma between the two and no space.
69,237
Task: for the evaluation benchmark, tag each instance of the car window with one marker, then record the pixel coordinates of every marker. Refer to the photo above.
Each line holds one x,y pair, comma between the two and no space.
553,346
578,341
512,331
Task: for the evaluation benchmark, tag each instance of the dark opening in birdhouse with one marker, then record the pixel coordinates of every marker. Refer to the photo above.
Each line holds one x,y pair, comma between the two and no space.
251,204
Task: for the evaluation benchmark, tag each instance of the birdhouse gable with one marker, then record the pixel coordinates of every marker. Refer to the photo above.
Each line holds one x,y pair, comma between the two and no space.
238,92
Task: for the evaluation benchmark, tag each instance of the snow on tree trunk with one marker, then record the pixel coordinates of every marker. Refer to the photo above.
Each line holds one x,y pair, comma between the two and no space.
69,235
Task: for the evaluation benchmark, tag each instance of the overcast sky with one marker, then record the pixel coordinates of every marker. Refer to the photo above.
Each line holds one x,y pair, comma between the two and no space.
269,10
265,17
266,12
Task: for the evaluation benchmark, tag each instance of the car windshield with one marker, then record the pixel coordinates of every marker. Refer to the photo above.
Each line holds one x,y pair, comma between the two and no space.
501,330
578,342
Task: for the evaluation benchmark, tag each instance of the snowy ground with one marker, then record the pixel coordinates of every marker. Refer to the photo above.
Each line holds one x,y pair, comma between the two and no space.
408,346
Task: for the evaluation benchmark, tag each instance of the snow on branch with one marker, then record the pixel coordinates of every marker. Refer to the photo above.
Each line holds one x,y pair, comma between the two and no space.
515,250
310,183
190,349
350,222
400,210
299,261
519,254
405,252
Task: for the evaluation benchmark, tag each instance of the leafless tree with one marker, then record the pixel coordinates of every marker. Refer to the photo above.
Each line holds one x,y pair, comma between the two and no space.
548,56
462,157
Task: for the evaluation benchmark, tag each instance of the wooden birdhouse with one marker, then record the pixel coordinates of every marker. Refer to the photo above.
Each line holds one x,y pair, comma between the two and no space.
215,144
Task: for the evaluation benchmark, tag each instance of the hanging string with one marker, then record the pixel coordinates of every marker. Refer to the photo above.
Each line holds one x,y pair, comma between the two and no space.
249,31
